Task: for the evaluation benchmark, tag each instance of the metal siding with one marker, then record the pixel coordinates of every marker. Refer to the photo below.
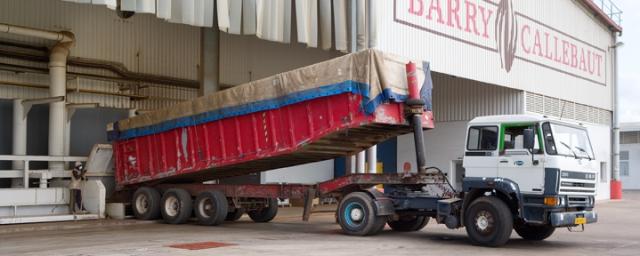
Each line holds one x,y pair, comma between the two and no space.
457,99
471,62
142,43
247,58
563,109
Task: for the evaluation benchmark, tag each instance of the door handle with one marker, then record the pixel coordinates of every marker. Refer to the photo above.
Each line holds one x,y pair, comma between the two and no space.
504,161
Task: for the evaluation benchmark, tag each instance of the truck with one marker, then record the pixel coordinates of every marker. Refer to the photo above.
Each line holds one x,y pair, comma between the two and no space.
525,173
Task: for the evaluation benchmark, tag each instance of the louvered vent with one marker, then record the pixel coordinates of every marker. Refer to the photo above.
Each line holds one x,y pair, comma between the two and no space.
549,106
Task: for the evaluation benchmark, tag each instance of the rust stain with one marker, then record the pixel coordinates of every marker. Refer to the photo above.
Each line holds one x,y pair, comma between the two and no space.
200,245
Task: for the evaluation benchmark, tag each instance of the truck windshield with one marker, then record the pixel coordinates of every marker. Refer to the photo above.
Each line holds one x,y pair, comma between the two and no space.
567,140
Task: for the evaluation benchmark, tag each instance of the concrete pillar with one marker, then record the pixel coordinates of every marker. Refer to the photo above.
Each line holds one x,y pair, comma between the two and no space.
209,62
19,146
57,87
372,159
360,160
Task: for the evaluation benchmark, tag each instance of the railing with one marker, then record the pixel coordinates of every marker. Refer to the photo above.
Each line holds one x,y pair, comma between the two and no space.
43,174
609,8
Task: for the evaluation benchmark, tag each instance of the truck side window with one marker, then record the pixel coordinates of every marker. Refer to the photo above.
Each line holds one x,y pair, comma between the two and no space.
483,138
514,138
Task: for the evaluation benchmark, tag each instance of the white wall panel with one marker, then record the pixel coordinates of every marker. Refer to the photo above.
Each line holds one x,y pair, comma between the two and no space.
463,52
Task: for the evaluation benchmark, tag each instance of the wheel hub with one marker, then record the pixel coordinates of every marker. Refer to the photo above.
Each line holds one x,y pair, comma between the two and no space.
356,214
142,204
171,206
484,221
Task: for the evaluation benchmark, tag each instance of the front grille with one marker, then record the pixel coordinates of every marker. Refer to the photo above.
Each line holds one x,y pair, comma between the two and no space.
572,182
577,201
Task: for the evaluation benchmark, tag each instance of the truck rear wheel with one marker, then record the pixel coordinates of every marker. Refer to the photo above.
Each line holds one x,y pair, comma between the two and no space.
146,203
409,223
176,206
357,215
211,208
488,221
535,233
266,213
234,215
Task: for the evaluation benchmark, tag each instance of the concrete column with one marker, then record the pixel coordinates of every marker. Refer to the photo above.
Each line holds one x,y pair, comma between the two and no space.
209,62
57,87
19,146
360,160
372,159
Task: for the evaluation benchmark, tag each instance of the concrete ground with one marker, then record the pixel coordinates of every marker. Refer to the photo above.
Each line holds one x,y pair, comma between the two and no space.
617,233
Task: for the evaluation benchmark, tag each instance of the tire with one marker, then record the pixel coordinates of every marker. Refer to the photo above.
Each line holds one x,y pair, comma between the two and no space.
265,214
409,223
357,215
210,208
235,214
146,203
176,206
488,222
534,233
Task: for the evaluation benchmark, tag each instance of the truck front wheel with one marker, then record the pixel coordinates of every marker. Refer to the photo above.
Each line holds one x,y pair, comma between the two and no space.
176,206
488,221
535,233
409,223
357,215
266,213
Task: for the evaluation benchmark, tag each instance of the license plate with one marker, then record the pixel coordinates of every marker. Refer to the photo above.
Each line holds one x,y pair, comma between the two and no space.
580,220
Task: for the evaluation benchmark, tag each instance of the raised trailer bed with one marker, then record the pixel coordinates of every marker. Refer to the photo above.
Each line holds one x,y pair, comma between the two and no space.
324,111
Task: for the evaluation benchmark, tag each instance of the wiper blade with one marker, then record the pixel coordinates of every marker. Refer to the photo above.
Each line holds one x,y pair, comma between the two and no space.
572,152
583,151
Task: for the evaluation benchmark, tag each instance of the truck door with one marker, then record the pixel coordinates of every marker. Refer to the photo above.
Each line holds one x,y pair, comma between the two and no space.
481,154
515,162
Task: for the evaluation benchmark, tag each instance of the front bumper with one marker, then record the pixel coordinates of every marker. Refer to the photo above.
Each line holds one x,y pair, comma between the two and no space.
567,219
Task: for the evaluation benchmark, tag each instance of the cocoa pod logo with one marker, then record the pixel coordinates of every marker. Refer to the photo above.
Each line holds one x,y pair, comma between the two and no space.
506,34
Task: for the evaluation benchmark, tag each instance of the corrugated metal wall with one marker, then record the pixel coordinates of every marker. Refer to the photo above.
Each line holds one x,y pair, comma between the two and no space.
141,43
458,99
247,58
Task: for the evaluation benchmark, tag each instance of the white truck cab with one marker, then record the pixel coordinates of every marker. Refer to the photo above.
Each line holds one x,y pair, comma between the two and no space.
543,169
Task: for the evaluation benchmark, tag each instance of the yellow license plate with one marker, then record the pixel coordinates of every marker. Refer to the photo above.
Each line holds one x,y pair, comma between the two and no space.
580,220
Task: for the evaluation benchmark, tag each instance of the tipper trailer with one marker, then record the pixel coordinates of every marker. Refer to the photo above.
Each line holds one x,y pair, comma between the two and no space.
525,173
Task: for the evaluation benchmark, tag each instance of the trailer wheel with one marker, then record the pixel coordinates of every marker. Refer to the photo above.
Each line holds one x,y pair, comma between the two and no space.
535,233
357,215
146,203
176,207
234,215
211,208
488,222
265,214
409,223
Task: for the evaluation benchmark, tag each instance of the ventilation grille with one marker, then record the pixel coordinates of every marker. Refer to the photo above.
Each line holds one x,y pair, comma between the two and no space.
630,137
554,107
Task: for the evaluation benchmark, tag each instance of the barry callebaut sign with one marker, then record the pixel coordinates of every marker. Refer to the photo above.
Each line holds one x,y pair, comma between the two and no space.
493,25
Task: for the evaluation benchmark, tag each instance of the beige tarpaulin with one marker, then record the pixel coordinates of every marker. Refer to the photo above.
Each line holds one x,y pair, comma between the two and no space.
376,75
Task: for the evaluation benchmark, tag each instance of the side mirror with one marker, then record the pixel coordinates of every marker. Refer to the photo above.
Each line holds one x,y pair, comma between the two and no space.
529,139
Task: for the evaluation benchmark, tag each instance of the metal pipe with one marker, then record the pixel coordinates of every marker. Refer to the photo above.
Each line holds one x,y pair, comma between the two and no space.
39,33
57,110
616,184
372,159
25,178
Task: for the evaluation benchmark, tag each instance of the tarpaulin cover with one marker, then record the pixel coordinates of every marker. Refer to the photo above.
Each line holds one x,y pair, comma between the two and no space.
377,76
